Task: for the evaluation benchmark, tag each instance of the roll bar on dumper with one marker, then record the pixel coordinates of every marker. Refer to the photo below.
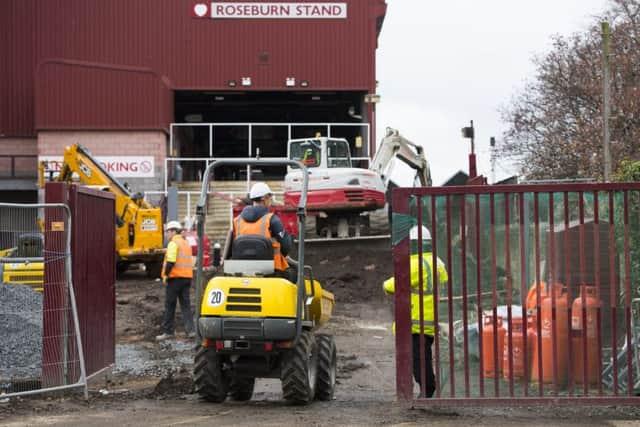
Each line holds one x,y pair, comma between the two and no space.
300,213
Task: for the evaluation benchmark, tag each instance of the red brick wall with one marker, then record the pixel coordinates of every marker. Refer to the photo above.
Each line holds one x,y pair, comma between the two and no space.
112,143
19,146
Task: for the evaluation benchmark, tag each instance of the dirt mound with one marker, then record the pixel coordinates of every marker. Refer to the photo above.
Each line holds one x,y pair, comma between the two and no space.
352,269
173,387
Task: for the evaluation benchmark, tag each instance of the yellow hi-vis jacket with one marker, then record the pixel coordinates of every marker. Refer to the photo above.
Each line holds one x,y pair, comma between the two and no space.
389,287
178,252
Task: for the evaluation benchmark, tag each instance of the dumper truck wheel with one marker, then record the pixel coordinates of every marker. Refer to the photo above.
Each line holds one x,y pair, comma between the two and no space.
298,372
209,379
326,380
241,389
153,269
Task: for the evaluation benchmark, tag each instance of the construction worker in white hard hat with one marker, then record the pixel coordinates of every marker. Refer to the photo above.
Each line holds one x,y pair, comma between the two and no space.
256,219
427,301
177,272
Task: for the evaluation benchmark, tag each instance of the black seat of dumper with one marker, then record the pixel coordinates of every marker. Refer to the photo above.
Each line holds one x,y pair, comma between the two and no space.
252,247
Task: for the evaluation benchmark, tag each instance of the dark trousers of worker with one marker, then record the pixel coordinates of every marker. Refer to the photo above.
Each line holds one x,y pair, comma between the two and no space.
291,274
430,386
177,289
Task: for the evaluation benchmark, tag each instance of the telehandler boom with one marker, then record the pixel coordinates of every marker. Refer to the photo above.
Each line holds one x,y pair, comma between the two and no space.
139,233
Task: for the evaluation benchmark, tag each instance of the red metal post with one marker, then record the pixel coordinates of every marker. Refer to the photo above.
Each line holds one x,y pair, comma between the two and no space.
552,283
567,270
627,293
436,281
507,267
494,299
596,258
612,294
479,294
401,262
452,371
465,327
583,314
523,294
423,374
536,210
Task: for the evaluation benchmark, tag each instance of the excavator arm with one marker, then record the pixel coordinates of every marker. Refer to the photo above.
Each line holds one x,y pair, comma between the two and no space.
78,160
393,146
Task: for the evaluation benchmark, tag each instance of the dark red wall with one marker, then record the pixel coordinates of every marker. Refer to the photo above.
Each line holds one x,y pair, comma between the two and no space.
79,95
162,37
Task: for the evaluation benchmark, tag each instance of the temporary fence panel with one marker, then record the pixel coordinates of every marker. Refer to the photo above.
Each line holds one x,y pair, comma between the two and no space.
541,302
93,268
40,348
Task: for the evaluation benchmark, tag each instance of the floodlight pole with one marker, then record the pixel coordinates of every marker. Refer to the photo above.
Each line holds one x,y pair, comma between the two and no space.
469,133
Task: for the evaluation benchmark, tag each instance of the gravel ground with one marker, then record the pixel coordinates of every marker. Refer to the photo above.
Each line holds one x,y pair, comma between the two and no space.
154,360
21,323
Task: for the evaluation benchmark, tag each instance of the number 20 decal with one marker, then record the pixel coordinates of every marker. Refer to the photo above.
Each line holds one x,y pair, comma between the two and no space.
216,297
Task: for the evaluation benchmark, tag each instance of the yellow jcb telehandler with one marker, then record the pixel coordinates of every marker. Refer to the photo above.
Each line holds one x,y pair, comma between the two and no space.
254,325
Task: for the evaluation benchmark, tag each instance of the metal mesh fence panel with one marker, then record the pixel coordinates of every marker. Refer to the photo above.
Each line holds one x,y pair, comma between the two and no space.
39,349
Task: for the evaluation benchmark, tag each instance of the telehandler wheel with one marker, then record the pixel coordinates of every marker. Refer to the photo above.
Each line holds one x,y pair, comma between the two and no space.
209,379
299,368
241,389
121,268
153,269
326,381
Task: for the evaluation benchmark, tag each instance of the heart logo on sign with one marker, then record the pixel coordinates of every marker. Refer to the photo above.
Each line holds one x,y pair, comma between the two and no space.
200,9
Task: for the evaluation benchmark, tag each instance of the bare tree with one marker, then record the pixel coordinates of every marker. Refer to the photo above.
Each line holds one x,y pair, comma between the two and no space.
555,124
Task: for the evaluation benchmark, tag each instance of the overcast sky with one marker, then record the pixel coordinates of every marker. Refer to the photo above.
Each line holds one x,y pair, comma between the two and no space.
443,63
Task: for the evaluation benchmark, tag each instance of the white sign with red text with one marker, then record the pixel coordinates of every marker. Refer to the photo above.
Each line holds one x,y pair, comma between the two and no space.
263,10
118,166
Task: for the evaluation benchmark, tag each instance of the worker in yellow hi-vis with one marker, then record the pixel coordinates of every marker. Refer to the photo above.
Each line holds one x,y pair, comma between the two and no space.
427,303
177,272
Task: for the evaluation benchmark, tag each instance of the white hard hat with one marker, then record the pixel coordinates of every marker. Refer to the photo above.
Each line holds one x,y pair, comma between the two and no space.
173,225
259,190
413,233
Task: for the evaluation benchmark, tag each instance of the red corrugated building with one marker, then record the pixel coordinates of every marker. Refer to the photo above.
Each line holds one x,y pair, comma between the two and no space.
114,75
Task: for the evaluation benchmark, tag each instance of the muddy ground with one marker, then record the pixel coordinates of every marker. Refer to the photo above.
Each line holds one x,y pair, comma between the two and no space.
151,382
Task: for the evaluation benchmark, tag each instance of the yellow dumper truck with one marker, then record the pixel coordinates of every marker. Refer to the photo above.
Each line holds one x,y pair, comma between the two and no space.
254,325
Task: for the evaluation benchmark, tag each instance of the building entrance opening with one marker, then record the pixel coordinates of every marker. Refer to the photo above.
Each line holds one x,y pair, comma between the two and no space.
212,124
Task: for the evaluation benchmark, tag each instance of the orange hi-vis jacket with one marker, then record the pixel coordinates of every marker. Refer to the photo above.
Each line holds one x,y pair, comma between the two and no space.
241,227
178,252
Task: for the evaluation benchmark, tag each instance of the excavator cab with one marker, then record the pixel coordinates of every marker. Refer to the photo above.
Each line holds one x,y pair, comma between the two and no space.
254,325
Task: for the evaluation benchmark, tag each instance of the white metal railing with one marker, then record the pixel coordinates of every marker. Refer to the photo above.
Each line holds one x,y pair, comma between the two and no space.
291,128
170,161
195,196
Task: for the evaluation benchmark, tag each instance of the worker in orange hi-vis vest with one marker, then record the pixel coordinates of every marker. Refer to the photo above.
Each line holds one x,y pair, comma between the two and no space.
177,272
256,219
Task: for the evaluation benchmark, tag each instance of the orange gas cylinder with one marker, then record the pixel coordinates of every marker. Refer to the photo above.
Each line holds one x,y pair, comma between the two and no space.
592,303
545,290
517,350
489,367
561,337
